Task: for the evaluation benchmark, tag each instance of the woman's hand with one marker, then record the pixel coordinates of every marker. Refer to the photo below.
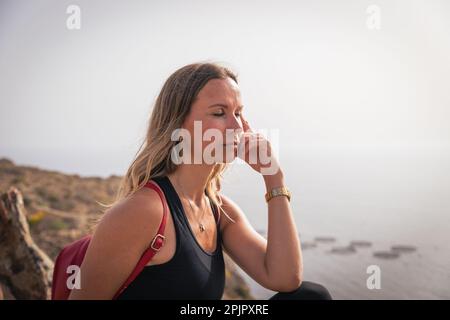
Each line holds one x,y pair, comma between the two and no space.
257,151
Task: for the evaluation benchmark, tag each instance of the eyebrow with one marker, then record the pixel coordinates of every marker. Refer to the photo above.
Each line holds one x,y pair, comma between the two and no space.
224,106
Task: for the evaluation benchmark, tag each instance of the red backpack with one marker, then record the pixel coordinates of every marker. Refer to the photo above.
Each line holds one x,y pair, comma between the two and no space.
73,255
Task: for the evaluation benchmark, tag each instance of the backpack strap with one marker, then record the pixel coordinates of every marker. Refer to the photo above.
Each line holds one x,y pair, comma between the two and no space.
155,245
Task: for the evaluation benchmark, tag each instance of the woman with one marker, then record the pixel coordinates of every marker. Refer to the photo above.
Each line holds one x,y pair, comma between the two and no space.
190,264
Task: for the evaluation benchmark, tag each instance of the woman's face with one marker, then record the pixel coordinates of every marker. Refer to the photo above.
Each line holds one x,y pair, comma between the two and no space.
217,106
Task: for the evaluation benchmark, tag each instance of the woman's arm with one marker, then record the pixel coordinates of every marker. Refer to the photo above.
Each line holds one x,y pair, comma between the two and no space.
118,242
275,263
283,258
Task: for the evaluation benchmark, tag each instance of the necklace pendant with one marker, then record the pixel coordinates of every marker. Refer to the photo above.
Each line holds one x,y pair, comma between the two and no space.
202,227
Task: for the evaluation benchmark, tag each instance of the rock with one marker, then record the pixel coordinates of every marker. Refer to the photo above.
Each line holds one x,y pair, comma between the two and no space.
343,250
386,254
403,249
5,162
7,295
308,245
325,239
25,267
360,243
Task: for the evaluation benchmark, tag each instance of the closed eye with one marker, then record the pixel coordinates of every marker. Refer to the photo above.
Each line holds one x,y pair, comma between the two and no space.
222,114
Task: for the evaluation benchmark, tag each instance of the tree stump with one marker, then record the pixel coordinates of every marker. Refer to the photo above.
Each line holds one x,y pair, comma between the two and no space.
24,268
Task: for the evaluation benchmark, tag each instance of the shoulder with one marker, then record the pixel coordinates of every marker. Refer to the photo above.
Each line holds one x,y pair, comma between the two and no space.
140,211
141,204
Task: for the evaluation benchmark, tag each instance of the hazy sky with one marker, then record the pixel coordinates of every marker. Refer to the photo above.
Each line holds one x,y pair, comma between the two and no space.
79,100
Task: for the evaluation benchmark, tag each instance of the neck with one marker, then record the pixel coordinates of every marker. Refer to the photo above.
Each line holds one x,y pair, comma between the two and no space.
193,179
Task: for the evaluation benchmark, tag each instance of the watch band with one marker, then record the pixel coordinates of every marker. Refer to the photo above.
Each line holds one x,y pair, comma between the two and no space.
280,191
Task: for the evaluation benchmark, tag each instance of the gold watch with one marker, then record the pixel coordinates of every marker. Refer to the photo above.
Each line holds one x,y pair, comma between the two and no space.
280,191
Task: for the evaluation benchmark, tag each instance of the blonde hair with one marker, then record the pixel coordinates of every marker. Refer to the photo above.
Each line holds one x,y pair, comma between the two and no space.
171,107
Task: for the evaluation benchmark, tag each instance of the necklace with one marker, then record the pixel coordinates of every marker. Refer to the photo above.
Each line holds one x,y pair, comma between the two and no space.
200,224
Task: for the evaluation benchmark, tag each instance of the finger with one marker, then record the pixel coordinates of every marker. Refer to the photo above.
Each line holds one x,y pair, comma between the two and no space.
245,137
249,140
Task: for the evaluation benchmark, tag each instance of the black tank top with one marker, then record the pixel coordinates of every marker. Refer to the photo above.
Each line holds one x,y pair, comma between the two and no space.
192,273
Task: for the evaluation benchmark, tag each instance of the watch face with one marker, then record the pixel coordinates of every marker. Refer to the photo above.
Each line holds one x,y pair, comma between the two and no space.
280,191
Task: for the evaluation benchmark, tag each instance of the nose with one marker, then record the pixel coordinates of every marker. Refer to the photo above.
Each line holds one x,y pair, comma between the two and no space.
235,124
234,129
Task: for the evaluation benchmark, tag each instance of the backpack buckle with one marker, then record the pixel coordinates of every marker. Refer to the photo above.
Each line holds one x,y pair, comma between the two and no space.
158,240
